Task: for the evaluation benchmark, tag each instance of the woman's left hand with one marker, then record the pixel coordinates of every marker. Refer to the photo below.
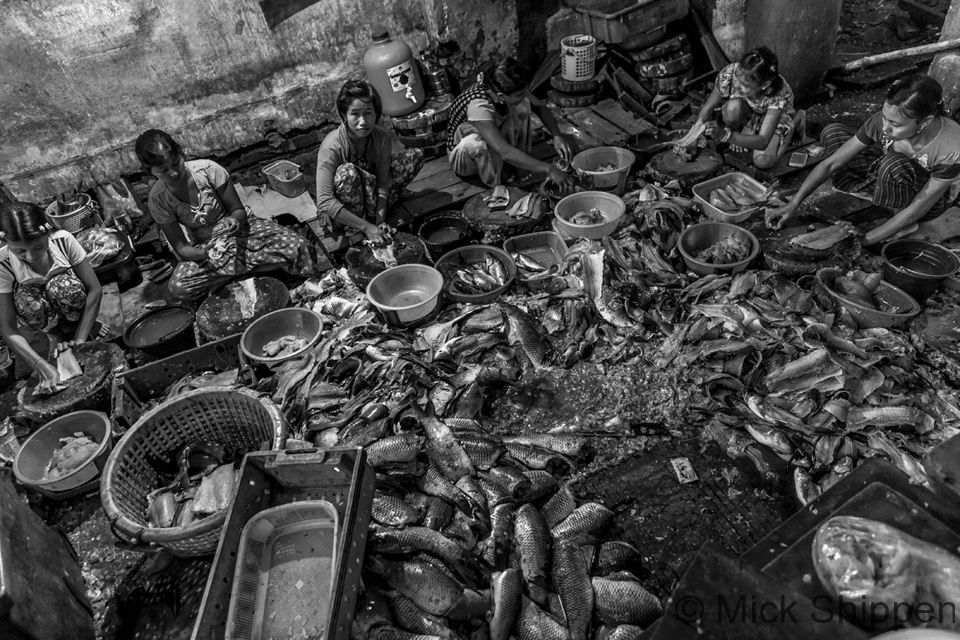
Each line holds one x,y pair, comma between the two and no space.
226,228
63,346
715,130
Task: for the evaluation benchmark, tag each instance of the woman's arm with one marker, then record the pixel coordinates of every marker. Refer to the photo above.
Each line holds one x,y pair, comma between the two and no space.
511,155
49,376
183,249
231,200
565,145
91,307
777,217
713,101
928,196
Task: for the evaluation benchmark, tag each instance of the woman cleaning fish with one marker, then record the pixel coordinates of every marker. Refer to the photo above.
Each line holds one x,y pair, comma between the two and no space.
46,284
490,126
904,157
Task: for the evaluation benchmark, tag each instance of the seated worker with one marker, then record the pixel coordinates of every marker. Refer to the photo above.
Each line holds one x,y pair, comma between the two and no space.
904,157
757,108
358,177
46,284
489,125
200,213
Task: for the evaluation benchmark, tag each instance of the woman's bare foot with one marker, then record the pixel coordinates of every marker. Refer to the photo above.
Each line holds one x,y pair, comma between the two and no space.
799,126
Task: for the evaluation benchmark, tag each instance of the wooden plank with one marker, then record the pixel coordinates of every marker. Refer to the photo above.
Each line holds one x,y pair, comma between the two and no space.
923,13
613,112
431,168
606,133
585,140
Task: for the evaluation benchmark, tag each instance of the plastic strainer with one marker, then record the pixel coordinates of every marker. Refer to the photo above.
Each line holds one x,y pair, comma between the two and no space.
284,577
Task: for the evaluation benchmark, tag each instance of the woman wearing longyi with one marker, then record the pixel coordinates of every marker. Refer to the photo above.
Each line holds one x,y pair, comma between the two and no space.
904,157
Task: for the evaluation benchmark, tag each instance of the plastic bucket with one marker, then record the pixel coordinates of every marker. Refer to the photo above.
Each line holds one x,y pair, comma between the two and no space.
162,332
35,455
444,232
594,162
702,235
917,267
612,207
579,57
406,294
285,177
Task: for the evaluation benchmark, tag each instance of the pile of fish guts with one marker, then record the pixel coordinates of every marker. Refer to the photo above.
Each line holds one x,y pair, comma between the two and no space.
488,543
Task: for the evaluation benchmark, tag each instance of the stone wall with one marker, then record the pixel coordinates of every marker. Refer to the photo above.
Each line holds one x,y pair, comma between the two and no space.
82,78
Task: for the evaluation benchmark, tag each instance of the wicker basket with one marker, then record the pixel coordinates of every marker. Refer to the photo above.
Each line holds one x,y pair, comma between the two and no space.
235,417
75,220
888,295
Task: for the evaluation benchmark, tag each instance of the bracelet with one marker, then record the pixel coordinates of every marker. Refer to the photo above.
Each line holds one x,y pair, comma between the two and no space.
727,135
38,359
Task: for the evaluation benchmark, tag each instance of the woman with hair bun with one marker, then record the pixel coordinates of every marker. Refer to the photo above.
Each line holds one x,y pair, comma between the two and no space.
46,284
904,157
489,126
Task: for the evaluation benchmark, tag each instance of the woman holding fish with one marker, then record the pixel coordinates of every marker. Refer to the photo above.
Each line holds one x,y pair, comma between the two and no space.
46,284
904,157
358,175
490,125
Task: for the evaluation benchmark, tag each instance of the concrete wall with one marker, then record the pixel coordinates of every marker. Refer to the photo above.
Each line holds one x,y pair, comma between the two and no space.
80,79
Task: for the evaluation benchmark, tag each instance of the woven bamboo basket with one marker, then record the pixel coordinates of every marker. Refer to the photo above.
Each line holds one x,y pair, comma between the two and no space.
233,417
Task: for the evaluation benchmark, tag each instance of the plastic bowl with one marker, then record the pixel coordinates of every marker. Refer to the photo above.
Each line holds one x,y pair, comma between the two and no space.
296,322
406,294
588,163
698,237
464,257
889,295
35,454
611,206
444,232
162,332
917,267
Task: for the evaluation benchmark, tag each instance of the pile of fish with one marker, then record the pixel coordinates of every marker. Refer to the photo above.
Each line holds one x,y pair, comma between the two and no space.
588,216
733,197
284,346
73,452
480,537
480,277
734,248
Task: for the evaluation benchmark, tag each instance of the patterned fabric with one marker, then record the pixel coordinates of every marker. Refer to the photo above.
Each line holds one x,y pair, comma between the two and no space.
356,188
44,307
338,149
458,110
259,243
64,251
197,221
893,179
940,156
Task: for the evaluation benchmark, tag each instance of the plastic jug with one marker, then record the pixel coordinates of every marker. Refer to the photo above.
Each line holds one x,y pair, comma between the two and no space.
392,70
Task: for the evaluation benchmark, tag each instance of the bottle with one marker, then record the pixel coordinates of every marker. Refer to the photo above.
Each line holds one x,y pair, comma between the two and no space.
392,70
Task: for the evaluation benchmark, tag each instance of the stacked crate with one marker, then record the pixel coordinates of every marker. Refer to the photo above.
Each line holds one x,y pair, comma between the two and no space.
665,66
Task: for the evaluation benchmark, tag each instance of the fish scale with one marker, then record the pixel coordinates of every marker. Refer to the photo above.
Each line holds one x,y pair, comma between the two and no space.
482,450
372,610
542,484
614,556
510,479
497,544
443,448
438,513
392,511
435,484
571,577
506,588
400,448
526,332
417,539
566,445
428,586
560,505
534,624
590,518
532,539
494,493
624,602
625,632
537,458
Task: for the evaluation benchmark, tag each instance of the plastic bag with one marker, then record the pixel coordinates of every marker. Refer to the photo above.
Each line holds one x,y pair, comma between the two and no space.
99,244
887,578
118,203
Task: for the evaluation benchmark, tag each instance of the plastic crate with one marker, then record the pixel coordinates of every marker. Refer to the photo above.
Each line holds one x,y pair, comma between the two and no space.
612,21
132,390
267,479
701,194
546,247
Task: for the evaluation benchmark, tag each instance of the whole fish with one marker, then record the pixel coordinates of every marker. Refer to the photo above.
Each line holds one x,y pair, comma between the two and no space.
560,505
803,485
537,458
860,417
496,269
567,445
507,588
590,518
771,437
542,484
415,620
478,500
525,261
571,577
838,470
442,447
440,396
532,539
534,624
361,433
900,458
614,556
433,483
467,345
527,333
483,450
469,403
393,511
509,478
494,549
624,602
394,450
486,320
372,610
438,513
429,587
413,539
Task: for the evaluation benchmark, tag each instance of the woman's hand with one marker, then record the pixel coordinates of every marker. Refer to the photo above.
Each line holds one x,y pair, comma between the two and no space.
561,178
64,346
775,218
49,376
226,228
374,234
564,146
715,130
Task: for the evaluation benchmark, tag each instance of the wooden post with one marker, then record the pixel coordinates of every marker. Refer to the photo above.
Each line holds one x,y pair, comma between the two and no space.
945,68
